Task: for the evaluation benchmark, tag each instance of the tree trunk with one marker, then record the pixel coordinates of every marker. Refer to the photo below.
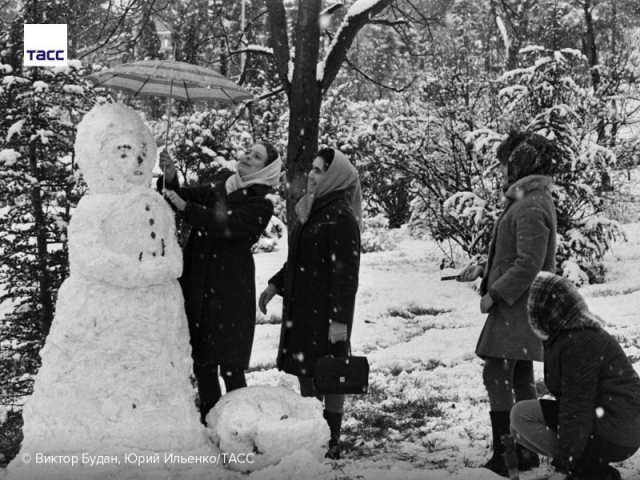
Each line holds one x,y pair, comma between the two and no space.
305,99
304,86
46,297
590,45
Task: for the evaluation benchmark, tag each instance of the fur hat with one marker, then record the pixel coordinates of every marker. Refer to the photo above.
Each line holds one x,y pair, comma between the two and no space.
526,153
555,305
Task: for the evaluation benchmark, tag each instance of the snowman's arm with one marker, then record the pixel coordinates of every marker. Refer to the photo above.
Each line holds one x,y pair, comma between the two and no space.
244,221
91,257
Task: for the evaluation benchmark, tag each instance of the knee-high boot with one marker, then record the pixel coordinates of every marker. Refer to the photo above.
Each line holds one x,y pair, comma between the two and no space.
334,419
500,425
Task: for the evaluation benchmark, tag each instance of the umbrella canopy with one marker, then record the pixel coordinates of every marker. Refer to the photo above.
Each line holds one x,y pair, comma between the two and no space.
167,78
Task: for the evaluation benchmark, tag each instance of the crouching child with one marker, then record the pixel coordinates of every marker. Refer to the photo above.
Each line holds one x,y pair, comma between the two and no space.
595,417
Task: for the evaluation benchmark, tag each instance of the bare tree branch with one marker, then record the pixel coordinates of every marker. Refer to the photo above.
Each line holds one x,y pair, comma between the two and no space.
389,23
279,40
388,87
344,38
247,26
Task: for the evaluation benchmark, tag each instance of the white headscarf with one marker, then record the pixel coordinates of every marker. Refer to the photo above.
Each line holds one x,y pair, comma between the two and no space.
269,175
341,175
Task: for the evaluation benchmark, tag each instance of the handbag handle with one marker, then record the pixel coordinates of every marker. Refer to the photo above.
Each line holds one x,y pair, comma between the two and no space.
349,354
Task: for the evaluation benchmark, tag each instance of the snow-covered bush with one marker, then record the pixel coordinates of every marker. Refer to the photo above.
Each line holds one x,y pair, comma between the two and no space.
376,236
377,137
551,96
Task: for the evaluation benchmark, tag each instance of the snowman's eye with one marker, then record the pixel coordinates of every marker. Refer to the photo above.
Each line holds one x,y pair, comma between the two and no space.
123,156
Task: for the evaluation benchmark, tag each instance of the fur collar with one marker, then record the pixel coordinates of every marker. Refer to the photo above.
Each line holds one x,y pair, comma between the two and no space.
528,184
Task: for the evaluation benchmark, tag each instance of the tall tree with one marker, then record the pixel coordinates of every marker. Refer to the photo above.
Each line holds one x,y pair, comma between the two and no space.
306,77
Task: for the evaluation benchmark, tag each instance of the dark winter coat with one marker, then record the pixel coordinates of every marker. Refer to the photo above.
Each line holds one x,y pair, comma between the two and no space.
585,369
523,244
318,282
218,280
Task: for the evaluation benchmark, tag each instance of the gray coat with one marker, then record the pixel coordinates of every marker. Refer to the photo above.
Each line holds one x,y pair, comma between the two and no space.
523,243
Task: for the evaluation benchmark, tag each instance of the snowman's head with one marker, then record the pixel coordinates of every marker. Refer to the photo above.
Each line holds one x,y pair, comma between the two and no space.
114,149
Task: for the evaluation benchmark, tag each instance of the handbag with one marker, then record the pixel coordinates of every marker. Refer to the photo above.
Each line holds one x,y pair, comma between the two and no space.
341,375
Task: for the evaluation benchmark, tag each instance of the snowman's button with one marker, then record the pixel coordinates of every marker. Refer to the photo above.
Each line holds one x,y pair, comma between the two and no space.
151,221
153,234
147,208
153,253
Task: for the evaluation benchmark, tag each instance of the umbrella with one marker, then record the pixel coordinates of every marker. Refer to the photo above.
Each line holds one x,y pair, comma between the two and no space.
167,78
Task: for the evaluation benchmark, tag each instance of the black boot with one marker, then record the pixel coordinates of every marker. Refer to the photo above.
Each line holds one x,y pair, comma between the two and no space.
334,419
500,425
527,460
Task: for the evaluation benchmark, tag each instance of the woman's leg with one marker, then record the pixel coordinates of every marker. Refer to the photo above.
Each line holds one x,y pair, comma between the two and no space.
208,387
233,377
524,385
529,428
333,412
497,376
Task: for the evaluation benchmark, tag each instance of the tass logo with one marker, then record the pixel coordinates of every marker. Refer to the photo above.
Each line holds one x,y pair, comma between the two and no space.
45,45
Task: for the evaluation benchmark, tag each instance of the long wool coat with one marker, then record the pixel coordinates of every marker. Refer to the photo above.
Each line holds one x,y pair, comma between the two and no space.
218,279
523,244
318,282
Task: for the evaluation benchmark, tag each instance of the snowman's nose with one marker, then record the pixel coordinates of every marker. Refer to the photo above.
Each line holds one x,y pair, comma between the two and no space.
140,160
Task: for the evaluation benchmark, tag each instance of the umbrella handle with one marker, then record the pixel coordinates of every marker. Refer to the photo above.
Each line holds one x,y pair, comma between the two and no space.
166,138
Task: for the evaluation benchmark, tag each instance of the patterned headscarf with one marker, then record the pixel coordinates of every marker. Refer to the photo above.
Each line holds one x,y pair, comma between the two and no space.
555,304
525,154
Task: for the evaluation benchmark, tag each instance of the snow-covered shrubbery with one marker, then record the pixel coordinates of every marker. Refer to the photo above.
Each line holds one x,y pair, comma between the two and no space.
376,236
39,188
551,96
276,230
378,137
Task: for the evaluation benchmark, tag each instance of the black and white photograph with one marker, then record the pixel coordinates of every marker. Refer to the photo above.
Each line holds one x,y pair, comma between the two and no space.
319,239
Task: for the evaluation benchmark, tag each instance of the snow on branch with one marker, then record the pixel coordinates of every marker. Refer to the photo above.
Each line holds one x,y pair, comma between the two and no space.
503,32
358,15
259,49
332,8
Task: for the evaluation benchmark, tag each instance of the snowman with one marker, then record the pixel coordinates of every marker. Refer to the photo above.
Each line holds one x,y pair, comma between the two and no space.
115,372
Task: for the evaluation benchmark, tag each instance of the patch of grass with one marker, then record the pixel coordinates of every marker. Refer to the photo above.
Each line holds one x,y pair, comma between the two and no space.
273,319
379,418
263,367
431,444
412,310
613,291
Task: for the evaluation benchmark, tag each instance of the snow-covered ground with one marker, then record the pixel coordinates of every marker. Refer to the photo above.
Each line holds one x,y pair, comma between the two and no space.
426,416
427,409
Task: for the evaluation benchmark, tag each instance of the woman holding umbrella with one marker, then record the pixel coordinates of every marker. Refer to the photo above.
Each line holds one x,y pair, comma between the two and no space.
218,279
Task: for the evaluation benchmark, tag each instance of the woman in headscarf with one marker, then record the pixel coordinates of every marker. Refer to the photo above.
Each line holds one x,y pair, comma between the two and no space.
523,243
595,417
320,278
218,279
